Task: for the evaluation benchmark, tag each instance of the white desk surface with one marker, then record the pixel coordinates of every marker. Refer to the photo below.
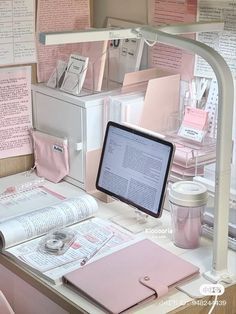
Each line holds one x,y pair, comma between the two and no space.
201,257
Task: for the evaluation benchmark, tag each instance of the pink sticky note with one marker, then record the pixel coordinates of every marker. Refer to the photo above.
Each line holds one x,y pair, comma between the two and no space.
194,124
195,118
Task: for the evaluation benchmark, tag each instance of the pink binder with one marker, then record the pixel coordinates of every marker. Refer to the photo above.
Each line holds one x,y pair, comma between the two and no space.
134,274
4,305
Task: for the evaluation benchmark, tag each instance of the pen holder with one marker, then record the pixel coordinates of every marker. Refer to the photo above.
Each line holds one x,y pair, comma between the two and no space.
187,201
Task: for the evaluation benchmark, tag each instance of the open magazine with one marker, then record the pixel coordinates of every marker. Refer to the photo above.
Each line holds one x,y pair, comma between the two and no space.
21,236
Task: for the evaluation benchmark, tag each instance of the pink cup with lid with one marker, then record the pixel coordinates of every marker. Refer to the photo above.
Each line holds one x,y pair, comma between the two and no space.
187,201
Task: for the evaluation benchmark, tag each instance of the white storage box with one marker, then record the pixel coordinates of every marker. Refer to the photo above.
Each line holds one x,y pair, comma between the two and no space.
79,119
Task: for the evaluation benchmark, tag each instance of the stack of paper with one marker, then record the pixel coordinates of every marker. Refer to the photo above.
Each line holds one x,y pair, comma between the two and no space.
125,107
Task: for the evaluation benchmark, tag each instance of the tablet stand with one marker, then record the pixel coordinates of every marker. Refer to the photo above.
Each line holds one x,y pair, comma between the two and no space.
135,221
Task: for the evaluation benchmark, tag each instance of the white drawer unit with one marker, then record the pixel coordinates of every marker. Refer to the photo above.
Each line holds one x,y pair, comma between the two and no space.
79,119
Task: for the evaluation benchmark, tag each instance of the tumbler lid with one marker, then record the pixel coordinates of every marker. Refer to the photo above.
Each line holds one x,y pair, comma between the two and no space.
188,193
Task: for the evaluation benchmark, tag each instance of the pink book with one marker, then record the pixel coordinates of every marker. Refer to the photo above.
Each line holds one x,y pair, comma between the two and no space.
135,274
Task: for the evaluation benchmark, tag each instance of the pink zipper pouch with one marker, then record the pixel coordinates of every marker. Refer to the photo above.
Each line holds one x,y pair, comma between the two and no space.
51,156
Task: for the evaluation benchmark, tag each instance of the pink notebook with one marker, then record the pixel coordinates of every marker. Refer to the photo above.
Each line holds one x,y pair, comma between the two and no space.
131,275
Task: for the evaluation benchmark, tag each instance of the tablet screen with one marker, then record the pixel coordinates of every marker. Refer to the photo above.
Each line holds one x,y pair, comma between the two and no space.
134,167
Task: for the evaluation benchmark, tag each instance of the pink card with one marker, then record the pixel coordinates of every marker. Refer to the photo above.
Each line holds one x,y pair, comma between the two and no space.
196,118
194,124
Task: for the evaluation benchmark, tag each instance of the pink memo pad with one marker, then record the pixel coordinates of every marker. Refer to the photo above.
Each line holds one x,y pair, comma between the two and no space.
195,118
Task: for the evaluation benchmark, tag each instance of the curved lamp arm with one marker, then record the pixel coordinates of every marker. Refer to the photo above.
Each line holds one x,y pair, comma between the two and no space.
224,136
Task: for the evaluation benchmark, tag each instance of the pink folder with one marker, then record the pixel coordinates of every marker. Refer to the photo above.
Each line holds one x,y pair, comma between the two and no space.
134,274
144,76
4,305
161,102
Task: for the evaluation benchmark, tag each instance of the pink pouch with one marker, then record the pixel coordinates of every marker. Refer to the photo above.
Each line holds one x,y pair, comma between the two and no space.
51,156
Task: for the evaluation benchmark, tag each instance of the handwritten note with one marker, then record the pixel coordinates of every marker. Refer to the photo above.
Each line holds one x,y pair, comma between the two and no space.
172,12
224,42
15,111
17,32
69,15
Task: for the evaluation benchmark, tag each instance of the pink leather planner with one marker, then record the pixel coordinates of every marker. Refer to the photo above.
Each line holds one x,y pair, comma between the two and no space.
134,274
4,305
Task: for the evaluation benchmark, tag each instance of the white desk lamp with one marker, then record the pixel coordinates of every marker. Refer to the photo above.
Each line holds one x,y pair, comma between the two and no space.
165,34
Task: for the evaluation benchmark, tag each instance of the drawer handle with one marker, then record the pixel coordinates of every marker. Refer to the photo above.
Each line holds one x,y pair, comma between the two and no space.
78,146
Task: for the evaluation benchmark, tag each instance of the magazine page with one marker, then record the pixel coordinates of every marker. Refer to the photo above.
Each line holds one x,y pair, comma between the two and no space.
94,238
39,222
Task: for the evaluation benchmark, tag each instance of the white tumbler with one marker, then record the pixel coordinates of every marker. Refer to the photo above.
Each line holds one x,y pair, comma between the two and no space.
187,201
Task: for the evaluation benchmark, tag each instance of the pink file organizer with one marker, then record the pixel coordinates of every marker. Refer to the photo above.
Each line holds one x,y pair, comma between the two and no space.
161,99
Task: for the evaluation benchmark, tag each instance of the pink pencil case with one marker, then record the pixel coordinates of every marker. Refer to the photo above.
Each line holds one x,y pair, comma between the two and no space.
51,156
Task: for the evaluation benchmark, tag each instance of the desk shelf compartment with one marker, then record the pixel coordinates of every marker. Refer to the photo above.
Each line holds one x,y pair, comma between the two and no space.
191,157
